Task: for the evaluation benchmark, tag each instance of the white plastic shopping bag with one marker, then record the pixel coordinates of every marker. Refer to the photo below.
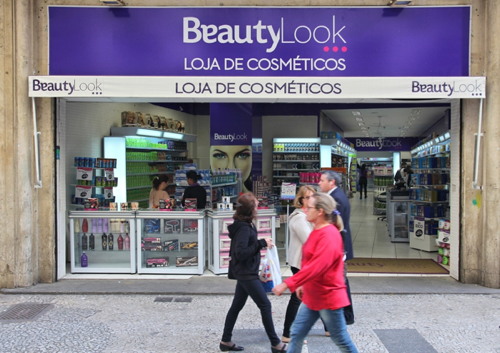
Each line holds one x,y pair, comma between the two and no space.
270,272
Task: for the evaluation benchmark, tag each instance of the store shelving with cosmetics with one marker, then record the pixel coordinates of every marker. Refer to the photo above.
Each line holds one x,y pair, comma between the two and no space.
140,159
92,190
429,192
292,156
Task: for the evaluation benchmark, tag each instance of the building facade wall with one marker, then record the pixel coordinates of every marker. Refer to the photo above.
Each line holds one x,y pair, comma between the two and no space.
28,222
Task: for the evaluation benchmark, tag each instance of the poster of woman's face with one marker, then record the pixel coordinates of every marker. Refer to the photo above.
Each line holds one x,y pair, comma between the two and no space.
232,157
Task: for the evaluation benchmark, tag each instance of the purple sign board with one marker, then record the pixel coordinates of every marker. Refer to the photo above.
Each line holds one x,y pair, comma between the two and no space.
230,124
259,41
395,144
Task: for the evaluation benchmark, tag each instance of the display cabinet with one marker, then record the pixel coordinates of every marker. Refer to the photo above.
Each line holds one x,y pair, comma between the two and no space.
139,159
382,178
225,183
170,242
398,218
94,180
218,235
102,242
293,156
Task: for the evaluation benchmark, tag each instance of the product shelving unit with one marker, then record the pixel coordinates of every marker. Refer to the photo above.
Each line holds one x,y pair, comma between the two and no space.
382,178
228,183
170,242
429,191
292,156
140,158
398,211
218,235
89,185
102,258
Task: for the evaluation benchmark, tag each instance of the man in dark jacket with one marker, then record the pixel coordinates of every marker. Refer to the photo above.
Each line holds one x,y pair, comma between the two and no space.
330,183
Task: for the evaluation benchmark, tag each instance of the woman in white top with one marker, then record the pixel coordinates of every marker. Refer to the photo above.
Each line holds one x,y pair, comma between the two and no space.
299,229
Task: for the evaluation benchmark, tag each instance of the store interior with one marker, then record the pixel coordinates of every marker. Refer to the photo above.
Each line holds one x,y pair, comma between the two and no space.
84,126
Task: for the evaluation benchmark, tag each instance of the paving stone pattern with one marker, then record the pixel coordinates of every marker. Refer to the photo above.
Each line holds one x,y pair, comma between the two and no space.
458,323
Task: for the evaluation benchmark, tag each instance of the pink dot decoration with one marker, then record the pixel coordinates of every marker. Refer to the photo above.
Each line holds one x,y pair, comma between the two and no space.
335,49
344,49
326,49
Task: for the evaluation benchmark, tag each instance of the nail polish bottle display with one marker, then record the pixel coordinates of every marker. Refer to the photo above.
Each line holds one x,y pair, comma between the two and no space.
92,241
110,241
105,225
104,239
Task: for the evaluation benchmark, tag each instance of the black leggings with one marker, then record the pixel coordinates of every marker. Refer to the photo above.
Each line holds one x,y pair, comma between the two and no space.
291,309
255,290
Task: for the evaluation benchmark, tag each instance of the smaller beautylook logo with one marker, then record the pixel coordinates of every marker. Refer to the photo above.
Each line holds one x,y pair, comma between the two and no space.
75,87
474,89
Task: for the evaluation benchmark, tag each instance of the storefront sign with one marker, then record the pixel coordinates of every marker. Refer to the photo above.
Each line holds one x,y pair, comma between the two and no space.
383,143
260,41
256,89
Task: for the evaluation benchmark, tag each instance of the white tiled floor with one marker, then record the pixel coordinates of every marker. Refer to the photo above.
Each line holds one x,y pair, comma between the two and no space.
371,237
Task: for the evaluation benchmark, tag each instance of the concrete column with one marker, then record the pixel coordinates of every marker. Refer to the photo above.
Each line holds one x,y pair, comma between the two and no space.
21,233
480,236
490,247
7,158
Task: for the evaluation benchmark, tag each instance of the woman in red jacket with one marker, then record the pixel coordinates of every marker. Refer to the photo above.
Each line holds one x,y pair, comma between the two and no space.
320,283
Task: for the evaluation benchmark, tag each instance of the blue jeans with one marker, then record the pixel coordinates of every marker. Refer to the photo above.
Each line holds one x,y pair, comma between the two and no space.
255,290
334,321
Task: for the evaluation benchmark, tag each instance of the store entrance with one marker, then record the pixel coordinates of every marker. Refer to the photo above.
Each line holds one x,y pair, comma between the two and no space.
370,227
383,219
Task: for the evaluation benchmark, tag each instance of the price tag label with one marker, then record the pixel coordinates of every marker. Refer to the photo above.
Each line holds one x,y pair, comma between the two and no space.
288,191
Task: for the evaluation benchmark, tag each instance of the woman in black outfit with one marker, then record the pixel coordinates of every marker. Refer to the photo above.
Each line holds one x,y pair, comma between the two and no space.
244,267
194,190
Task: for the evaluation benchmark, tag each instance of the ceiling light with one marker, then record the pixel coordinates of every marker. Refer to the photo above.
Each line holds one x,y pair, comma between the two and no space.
399,3
356,113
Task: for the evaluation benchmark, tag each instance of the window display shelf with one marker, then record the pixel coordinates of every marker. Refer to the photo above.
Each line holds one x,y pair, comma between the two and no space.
218,235
171,242
90,233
